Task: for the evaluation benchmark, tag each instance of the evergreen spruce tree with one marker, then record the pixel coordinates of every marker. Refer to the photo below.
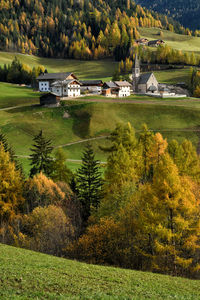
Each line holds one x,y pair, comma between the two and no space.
41,160
89,183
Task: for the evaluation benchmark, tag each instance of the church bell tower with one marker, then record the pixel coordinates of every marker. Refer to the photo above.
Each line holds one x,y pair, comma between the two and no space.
136,73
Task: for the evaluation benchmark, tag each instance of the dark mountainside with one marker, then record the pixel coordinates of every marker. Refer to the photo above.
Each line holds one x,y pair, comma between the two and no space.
185,11
84,29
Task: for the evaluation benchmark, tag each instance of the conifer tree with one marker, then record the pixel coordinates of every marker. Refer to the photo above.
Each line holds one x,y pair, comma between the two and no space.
89,182
41,160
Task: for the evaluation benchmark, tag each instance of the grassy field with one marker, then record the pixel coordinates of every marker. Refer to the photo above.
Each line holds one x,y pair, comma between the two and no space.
30,275
83,69
14,95
177,41
173,118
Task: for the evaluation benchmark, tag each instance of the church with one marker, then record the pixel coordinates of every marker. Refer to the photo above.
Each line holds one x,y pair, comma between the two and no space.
143,83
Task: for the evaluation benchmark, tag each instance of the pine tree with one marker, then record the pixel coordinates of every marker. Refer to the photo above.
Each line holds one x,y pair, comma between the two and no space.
89,182
41,160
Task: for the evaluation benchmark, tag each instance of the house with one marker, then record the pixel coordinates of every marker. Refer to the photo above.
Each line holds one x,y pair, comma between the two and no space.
92,86
143,83
142,41
116,89
155,43
46,79
66,88
50,99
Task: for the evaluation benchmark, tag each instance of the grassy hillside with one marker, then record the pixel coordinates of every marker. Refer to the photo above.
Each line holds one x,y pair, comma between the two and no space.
176,41
14,95
83,69
173,118
29,275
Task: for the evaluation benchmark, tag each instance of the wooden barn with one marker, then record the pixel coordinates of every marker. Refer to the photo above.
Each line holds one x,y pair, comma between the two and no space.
50,99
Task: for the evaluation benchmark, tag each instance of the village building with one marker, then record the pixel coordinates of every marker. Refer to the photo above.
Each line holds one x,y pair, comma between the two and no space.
66,88
47,79
155,43
50,99
116,89
142,41
143,83
91,86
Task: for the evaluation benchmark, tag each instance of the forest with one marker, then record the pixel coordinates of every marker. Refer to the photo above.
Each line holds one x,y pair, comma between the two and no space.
76,29
140,210
185,11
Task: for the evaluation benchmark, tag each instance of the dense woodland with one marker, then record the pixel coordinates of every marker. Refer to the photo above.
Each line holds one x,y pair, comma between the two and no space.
185,11
143,213
84,29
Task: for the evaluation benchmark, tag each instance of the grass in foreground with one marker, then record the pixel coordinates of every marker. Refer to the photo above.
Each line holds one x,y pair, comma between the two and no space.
30,275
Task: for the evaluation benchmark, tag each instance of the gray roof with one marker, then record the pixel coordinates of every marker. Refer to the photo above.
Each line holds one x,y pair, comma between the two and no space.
122,83
144,78
155,42
64,82
91,82
54,76
110,84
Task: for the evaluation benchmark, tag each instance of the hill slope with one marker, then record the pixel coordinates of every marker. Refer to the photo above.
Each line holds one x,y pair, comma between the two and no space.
75,29
30,275
185,11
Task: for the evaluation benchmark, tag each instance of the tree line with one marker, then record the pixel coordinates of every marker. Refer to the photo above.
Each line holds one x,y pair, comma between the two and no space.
76,29
142,213
20,73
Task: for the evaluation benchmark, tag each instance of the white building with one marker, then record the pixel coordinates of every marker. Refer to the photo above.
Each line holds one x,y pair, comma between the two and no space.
47,79
124,88
116,89
66,88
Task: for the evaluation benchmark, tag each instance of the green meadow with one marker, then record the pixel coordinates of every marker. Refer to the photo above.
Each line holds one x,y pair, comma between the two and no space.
177,119
30,275
185,43
83,69
15,95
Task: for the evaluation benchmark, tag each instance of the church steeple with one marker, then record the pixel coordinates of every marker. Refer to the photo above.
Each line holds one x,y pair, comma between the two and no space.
136,69
136,73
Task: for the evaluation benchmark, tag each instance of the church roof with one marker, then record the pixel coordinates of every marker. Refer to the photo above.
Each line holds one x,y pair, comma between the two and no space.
144,78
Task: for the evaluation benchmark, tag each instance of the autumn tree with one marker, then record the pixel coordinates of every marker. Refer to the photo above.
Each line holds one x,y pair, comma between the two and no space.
168,220
11,198
46,229
42,191
60,170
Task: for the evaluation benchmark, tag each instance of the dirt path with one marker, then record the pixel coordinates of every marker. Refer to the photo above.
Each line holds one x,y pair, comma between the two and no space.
13,107
81,141
178,102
